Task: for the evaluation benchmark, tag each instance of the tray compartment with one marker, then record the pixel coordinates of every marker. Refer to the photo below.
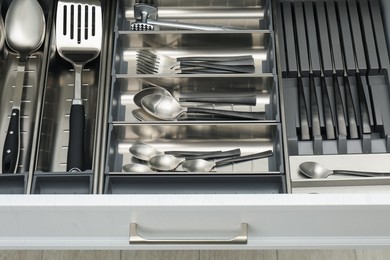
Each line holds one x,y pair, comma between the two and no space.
351,39
259,44
251,15
50,168
31,99
264,88
249,138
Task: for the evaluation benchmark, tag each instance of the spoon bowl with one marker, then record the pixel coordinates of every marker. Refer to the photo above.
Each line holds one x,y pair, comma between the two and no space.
136,167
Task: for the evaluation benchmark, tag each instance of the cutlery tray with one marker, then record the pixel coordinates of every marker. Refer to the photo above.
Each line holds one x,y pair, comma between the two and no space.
32,91
250,138
341,40
196,132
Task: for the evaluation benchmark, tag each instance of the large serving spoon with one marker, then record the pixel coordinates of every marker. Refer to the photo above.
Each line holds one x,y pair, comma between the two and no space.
145,152
316,170
200,165
25,32
168,108
168,162
249,100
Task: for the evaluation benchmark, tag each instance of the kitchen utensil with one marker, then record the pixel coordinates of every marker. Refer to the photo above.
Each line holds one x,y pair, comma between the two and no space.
168,162
79,40
317,171
200,165
151,63
249,100
25,32
168,108
136,167
145,152
144,116
146,20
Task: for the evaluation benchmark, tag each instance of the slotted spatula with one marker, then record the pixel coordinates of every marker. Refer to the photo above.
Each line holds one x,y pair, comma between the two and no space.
79,40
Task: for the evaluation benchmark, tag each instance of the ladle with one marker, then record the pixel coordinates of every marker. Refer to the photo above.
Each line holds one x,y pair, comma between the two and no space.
316,170
168,162
168,108
25,32
200,165
145,152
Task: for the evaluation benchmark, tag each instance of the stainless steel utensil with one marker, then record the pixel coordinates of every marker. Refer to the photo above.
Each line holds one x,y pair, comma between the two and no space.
136,167
25,29
151,63
79,40
145,152
249,100
200,165
144,116
168,108
146,19
315,170
168,162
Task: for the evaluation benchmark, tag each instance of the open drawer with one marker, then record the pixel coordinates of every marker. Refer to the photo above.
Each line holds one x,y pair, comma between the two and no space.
219,210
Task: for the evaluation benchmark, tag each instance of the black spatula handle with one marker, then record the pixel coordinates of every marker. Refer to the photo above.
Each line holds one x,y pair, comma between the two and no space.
76,138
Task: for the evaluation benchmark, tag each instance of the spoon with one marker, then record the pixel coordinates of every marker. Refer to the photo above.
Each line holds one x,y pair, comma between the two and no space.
168,162
136,167
200,165
249,100
168,108
315,170
144,116
145,152
25,33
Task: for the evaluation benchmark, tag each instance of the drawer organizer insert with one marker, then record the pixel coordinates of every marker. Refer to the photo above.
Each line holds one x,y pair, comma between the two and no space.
30,100
145,60
50,175
334,64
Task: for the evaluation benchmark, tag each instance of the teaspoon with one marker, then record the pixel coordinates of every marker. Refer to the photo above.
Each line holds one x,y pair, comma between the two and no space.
315,170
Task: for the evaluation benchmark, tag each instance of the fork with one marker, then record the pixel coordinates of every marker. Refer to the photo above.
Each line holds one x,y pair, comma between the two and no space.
79,40
150,63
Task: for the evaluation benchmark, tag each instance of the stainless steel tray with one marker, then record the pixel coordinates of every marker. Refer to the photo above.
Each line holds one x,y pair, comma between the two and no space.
253,14
264,88
250,138
31,100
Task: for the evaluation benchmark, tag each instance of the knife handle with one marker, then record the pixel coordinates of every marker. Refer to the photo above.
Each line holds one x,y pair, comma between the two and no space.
11,148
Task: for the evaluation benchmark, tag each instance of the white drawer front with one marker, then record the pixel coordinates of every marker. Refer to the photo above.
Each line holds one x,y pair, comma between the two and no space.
282,221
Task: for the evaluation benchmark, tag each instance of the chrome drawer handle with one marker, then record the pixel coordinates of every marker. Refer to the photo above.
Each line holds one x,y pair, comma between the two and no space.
241,238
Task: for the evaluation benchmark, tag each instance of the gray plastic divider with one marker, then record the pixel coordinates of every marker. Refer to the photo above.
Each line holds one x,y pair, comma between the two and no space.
312,38
357,36
186,184
62,183
289,34
379,32
346,37
301,38
324,37
13,183
334,37
369,39
282,45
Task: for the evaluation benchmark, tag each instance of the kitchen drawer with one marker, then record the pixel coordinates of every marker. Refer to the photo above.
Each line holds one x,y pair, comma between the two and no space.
197,211
274,221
